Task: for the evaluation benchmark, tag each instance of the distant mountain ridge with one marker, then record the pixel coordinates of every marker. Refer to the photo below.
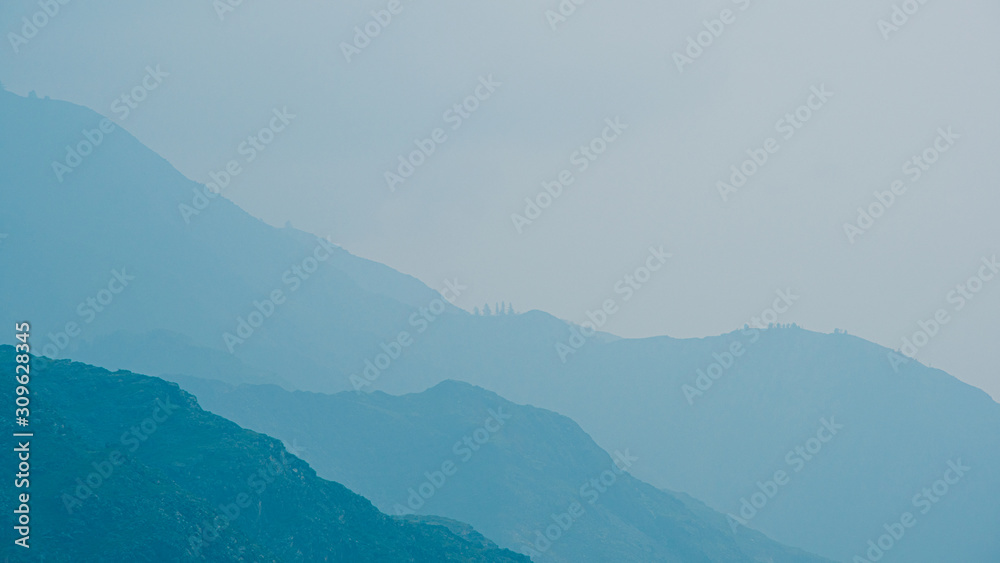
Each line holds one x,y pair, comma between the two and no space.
118,211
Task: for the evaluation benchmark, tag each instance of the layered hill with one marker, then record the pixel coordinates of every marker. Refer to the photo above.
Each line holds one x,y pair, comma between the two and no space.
126,467
702,418
528,478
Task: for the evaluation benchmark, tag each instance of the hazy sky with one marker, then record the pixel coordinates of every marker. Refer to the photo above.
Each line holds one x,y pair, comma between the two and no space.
551,92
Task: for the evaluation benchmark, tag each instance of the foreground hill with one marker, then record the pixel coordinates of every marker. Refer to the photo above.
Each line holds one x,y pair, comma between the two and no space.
126,467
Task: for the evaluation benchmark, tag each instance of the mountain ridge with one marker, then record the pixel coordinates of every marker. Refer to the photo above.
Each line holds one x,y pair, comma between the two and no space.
197,281
184,484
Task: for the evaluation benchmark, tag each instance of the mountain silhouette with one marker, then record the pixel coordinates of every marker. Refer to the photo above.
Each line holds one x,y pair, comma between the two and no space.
701,419
127,467
517,478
